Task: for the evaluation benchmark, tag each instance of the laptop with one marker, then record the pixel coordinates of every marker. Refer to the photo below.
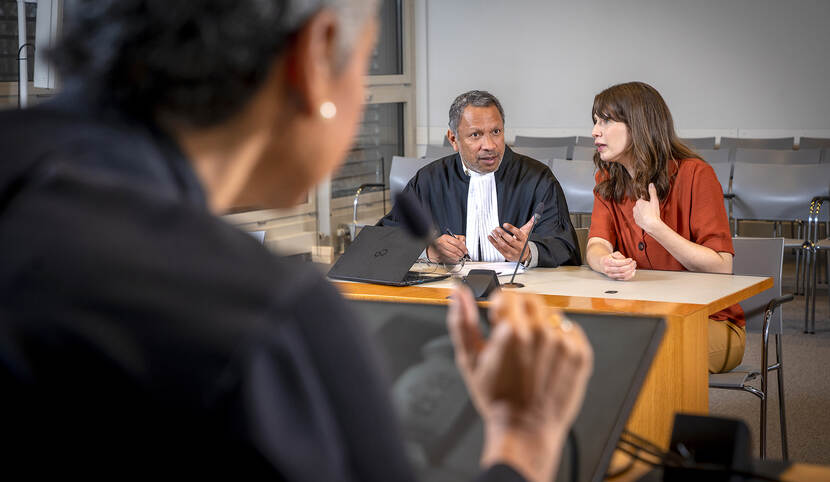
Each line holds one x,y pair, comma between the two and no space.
383,255
442,431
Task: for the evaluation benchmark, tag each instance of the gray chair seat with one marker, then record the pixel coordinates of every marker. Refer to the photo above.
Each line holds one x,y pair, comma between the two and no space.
736,379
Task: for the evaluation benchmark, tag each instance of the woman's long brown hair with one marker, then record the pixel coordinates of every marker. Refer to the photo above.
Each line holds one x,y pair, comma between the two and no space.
653,143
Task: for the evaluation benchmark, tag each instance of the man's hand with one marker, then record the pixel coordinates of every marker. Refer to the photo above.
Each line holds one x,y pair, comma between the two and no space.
617,266
447,249
527,380
510,240
647,213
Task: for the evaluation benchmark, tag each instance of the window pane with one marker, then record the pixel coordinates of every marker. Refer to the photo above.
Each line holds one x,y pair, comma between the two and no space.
380,136
8,40
387,58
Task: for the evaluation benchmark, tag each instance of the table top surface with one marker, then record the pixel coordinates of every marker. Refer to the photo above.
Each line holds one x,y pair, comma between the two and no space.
664,293
647,285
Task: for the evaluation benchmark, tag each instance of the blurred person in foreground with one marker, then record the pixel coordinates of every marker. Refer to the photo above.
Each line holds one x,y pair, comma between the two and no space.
142,336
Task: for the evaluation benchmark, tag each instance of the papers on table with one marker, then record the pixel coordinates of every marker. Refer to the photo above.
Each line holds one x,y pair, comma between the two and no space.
501,269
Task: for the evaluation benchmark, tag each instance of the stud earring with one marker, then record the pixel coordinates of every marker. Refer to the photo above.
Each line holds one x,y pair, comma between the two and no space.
328,110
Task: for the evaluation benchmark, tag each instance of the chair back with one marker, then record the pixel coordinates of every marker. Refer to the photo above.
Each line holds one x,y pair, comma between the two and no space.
813,143
760,257
724,173
543,154
577,181
776,192
816,143
746,143
699,142
437,152
528,141
714,156
402,170
585,141
582,153
773,156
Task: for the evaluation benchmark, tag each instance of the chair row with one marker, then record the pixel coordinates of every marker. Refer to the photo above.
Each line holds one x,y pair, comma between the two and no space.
804,155
765,156
780,143
754,191
542,153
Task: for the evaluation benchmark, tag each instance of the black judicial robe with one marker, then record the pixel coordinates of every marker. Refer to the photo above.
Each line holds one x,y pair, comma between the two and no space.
521,183
142,337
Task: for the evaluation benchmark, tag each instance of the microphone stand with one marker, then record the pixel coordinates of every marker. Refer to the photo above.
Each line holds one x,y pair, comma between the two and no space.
511,284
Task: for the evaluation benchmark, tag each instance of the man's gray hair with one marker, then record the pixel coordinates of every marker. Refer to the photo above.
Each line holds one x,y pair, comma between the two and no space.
475,98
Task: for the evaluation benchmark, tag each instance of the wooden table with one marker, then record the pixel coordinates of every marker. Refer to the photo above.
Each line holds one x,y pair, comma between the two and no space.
678,379
800,472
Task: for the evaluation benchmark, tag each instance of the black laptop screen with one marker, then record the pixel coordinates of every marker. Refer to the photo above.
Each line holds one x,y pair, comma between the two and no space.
442,430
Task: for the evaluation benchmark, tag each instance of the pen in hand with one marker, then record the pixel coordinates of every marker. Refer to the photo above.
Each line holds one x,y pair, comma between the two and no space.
466,256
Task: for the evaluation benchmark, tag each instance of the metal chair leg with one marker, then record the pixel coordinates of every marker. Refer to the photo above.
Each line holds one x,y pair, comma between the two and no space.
764,382
814,264
797,271
782,411
807,287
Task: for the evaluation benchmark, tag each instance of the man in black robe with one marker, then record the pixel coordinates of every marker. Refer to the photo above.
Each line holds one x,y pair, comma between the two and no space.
506,200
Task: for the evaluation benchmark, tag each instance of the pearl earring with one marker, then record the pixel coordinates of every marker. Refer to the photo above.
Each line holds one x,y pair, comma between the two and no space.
328,110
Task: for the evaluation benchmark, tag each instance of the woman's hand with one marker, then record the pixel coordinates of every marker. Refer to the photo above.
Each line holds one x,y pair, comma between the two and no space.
647,213
603,259
527,380
616,266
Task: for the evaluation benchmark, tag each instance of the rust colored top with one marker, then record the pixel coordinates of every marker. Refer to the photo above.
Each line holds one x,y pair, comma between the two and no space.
694,209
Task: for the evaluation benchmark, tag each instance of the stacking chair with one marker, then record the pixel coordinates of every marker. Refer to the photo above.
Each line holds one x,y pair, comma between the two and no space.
401,171
585,141
577,181
583,153
724,173
528,141
816,143
714,156
761,257
813,143
812,246
535,142
543,154
700,142
775,192
773,156
436,152
783,143
778,193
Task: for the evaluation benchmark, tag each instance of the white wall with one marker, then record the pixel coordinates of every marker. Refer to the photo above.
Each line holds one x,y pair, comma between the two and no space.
754,68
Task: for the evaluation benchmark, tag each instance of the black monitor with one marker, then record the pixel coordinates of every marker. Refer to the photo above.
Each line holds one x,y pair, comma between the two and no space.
442,430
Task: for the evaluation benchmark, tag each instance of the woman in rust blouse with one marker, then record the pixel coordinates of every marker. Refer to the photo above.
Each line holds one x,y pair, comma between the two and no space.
657,205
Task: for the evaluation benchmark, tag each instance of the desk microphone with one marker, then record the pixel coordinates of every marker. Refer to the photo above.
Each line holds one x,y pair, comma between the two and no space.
537,215
414,217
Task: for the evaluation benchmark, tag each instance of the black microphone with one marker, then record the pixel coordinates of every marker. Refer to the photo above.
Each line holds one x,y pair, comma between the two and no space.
414,216
537,215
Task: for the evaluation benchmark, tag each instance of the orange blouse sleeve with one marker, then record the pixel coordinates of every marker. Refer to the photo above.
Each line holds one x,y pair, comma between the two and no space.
602,224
